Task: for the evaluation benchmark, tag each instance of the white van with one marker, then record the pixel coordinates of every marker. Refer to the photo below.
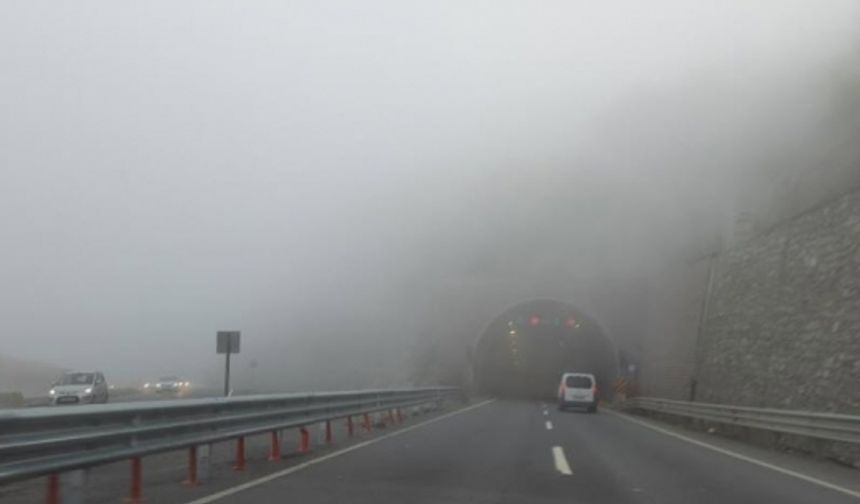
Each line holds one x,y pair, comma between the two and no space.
578,389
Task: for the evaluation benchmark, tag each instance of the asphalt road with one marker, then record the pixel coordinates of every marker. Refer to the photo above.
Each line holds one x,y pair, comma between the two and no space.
507,452
499,452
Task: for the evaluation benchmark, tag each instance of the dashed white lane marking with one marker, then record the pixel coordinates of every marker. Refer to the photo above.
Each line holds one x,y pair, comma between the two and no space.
548,425
789,472
560,460
265,479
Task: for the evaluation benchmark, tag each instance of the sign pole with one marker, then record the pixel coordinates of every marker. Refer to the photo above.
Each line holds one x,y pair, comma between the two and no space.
227,374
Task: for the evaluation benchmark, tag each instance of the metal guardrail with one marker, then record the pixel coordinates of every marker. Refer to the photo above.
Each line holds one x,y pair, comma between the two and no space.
829,426
48,441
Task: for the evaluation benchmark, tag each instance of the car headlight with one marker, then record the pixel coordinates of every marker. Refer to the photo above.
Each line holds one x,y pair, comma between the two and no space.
52,392
88,390
147,385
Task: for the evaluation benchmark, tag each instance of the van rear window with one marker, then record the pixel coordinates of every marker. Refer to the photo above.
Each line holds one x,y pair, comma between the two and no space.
578,382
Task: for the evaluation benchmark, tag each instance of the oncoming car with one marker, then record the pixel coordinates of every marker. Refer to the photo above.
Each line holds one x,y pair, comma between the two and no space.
168,385
578,389
77,388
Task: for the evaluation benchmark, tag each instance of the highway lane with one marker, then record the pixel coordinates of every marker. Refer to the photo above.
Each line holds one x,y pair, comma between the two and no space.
133,396
521,452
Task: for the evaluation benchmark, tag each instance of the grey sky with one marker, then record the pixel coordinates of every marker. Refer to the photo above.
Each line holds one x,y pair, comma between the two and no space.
318,173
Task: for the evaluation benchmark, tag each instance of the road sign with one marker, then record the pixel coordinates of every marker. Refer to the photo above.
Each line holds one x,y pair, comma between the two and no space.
228,342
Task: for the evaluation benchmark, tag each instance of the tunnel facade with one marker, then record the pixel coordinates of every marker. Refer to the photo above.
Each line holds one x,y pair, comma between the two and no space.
524,351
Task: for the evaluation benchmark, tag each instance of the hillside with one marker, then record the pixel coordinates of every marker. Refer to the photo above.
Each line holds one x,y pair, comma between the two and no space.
29,378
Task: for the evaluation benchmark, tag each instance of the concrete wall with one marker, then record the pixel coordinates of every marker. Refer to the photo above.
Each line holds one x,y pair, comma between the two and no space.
782,327
674,314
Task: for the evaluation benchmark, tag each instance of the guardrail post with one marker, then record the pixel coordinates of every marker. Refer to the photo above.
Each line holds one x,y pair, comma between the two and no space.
192,467
328,436
203,461
321,433
240,454
136,486
304,440
72,485
366,422
53,493
350,429
275,451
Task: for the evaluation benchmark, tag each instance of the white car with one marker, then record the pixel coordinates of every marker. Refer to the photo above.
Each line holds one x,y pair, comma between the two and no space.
578,389
77,388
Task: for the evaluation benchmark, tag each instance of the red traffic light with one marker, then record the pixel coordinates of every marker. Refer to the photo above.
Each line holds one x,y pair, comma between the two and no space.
571,322
534,320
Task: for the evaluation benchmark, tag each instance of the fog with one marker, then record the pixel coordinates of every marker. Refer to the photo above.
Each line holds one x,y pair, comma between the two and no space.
349,183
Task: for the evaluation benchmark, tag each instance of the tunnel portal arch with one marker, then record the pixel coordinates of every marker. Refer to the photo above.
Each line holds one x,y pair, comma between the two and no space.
524,350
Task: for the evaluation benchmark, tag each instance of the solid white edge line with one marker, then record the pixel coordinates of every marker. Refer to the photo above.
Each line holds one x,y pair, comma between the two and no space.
739,456
560,460
548,425
290,470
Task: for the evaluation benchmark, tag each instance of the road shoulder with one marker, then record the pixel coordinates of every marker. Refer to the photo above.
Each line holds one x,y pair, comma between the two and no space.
824,473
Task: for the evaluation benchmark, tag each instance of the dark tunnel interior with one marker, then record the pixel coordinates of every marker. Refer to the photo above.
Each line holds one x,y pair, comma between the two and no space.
524,351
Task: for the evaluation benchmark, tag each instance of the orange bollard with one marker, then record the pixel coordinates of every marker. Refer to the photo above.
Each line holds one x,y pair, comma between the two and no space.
305,440
192,467
366,425
328,436
275,452
136,489
399,415
240,455
389,417
350,430
53,496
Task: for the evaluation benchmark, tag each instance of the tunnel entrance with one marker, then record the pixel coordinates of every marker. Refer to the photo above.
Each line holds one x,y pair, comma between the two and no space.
524,351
